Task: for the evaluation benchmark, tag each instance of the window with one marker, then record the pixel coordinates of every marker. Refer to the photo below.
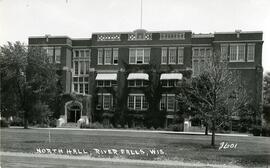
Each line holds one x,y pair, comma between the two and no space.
164,56
237,52
200,57
100,56
115,56
137,102
137,83
224,52
76,67
57,54
131,102
250,52
168,83
81,63
99,83
180,55
81,67
167,102
77,53
139,55
80,86
108,56
170,102
105,83
163,103
147,55
172,55
195,66
105,100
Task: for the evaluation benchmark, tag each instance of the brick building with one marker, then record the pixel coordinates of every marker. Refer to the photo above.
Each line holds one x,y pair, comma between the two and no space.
111,72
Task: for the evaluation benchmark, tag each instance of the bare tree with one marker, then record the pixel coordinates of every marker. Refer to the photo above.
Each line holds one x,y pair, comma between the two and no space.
215,96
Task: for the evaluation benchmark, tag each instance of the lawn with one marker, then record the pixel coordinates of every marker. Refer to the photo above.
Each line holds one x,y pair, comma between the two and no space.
250,151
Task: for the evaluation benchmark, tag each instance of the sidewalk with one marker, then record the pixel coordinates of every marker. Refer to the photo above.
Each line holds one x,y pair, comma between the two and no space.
143,131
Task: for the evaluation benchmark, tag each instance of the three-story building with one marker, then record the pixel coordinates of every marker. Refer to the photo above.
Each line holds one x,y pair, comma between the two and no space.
117,75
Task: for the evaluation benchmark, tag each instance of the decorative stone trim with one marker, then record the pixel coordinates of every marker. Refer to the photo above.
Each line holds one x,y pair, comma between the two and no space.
108,37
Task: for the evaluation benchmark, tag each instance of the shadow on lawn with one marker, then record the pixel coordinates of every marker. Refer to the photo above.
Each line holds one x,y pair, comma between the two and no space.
256,160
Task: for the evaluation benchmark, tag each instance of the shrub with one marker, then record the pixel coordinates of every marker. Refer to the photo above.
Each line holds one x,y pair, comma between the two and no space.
126,126
118,126
96,125
256,130
175,127
266,131
3,123
16,122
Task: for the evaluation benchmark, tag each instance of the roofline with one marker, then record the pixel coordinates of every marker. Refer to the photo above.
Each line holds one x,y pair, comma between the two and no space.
235,32
49,36
169,31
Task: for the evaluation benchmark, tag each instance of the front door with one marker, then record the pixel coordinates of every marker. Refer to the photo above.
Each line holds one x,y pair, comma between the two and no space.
74,114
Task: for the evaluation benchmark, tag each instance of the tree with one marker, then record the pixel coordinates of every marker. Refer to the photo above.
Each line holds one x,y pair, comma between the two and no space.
214,96
266,88
27,78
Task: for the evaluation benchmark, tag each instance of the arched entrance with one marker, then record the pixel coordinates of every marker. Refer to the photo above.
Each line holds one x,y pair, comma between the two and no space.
73,111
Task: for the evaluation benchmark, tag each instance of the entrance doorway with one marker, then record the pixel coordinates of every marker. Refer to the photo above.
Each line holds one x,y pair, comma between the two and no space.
73,113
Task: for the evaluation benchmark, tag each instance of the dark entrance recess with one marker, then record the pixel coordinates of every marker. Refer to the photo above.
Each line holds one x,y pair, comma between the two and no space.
74,113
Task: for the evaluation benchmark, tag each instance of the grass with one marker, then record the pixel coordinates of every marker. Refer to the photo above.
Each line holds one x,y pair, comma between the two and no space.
250,151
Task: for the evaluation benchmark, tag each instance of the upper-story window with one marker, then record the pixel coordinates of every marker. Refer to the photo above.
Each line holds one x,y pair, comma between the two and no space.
81,61
53,54
237,52
169,83
106,83
224,52
251,52
57,55
139,55
180,55
137,83
81,65
172,55
200,56
107,56
80,84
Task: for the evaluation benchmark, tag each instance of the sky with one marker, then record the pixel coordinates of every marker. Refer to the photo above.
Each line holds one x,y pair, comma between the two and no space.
20,19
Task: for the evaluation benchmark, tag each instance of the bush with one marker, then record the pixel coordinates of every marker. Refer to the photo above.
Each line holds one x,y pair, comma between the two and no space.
266,131
4,123
16,122
256,130
96,125
175,127
126,126
118,126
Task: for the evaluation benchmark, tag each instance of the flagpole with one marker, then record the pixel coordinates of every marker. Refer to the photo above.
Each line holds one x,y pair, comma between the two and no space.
141,13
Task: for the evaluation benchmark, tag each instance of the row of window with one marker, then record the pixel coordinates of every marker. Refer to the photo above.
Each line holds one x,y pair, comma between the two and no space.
136,83
237,52
136,102
171,55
